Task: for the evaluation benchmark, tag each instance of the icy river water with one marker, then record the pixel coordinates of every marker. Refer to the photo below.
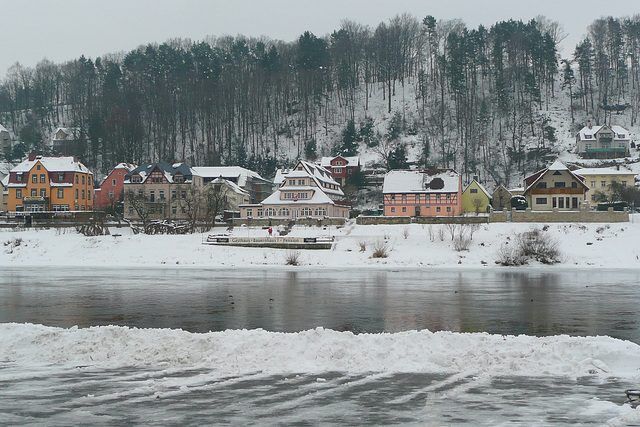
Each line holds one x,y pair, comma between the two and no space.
532,302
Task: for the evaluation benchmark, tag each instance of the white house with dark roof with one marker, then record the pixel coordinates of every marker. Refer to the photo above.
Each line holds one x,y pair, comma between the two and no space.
434,192
256,186
307,190
603,141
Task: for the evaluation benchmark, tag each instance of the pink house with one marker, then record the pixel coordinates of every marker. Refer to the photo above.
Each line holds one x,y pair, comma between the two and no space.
434,192
111,189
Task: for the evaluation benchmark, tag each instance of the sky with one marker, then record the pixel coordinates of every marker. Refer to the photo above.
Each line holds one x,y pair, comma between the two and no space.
63,30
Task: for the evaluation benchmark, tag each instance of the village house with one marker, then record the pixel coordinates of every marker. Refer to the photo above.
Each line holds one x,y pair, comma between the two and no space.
50,183
601,180
67,141
434,192
603,141
341,167
256,186
306,191
5,142
501,198
555,187
475,198
160,191
112,187
4,188
227,194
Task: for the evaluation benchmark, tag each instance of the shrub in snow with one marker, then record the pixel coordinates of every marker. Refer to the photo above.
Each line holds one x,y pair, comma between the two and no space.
405,232
380,249
461,242
363,245
533,244
292,258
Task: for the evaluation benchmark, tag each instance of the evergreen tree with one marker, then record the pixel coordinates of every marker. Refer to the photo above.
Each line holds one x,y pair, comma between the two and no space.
398,157
350,138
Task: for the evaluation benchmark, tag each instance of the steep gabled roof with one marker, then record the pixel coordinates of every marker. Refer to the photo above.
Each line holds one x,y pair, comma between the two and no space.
480,186
557,166
235,173
53,164
587,133
169,170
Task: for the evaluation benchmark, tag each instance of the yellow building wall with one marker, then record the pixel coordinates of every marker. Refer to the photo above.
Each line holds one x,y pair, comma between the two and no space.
594,182
469,199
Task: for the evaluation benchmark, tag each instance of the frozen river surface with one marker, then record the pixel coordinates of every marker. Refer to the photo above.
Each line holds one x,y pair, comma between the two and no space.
529,302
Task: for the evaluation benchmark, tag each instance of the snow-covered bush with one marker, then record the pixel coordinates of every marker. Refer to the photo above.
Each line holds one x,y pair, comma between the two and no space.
292,257
362,243
380,249
530,245
461,242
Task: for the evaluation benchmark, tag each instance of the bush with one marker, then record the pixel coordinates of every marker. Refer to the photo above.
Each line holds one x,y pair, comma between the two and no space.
292,257
362,244
533,244
380,249
461,243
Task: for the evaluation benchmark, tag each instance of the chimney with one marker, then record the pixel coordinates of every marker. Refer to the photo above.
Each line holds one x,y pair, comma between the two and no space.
32,156
617,167
475,178
590,124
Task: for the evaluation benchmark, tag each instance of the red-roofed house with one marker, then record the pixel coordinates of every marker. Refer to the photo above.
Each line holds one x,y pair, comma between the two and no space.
555,187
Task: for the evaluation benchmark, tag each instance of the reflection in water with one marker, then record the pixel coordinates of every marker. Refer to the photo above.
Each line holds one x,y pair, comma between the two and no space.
530,302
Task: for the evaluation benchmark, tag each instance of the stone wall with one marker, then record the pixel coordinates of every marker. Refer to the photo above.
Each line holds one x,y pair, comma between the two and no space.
555,215
394,220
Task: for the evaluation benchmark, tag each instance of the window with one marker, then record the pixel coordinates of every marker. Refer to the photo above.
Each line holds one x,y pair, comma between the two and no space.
76,182
249,213
404,209
283,212
473,191
305,211
541,185
292,182
178,179
588,146
174,209
82,179
173,194
337,170
270,212
61,176
38,167
76,196
88,180
393,197
136,178
19,193
302,195
561,184
603,184
393,209
111,195
624,183
82,207
43,192
183,194
19,177
541,200
82,194
593,197
113,183
34,179
404,198
152,196
438,199
561,202
42,178
34,192
88,194
349,171
438,209
60,193
448,198
161,194
301,182
448,208
320,212
259,213
593,184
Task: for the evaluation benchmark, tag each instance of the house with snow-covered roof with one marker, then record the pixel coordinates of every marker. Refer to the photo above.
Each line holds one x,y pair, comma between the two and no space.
50,183
160,191
66,140
602,180
555,187
5,142
111,189
306,191
256,186
341,167
433,192
603,141
475,198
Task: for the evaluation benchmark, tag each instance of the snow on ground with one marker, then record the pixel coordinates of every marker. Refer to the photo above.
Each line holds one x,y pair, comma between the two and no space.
581,246
239,352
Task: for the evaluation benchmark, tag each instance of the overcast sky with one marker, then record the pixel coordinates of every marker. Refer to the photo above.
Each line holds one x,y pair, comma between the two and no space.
64,30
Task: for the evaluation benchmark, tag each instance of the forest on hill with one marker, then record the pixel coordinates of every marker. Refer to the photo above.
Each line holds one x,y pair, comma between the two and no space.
474,99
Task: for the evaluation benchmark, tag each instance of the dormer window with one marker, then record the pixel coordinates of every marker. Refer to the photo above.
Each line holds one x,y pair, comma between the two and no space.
178,179
61,176
136,178
621,135
19,177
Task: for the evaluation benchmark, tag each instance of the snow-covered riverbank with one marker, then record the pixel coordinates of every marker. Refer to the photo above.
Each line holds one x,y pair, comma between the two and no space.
580,245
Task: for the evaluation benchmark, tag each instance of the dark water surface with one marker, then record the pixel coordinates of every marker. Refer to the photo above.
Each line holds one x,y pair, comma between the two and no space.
532,302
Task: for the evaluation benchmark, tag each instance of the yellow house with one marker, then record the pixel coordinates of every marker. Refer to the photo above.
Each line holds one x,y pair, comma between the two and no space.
475,198
601,179
50,183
